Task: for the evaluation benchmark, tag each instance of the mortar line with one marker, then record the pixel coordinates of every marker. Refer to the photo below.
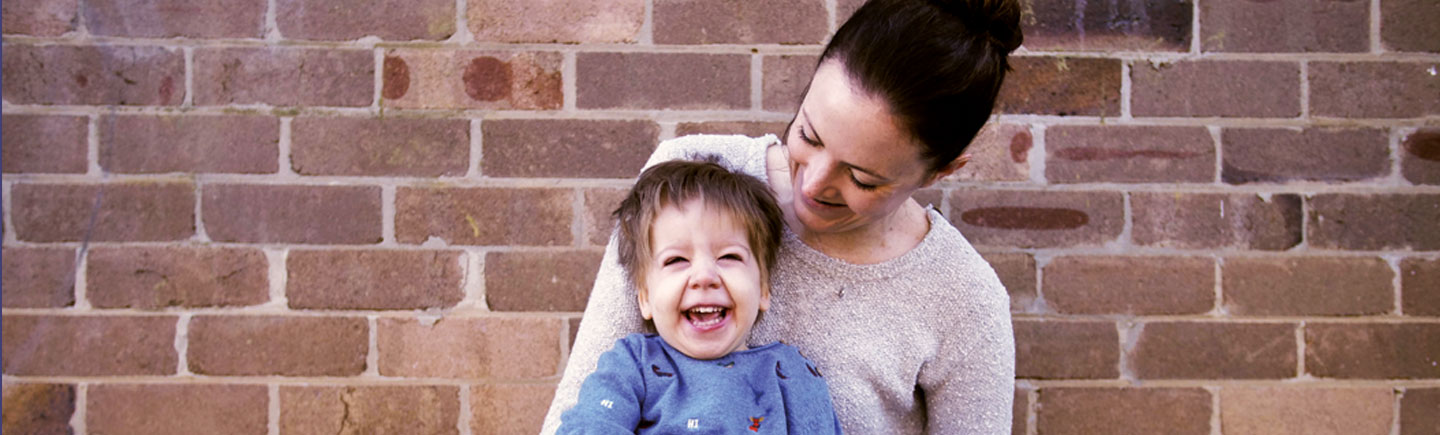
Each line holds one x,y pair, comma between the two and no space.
182,345
1300,350
1398,396
577,222
305,382
757,82
201,235
474,280
646,35
272,409
1130,331
1217,139
667,130
1038,153
285,167
1031,412
82,408
477,149
189,99
466,414
1397,154
272,26
462,33
387,215
372,355
1396,283
1215,418
568,90
1377,45
832,16
1126,92
277,277
377,90
1127,223
1218,309
82,281
1304,90
92,148
5,200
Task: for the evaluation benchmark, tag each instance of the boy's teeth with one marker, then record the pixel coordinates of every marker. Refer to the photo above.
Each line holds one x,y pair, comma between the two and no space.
706,316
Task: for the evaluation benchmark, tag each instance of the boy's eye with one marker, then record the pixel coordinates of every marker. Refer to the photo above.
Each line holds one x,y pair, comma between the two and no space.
673,260
735,257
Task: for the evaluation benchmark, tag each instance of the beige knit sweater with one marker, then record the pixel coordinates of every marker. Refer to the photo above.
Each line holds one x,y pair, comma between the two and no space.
918,344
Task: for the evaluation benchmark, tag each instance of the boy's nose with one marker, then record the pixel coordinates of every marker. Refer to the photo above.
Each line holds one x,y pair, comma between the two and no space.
704,276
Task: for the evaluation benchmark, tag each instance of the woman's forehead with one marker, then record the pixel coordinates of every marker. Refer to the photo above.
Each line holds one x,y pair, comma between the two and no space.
856,125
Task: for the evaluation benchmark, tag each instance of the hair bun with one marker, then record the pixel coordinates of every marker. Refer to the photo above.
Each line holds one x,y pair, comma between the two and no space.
997,19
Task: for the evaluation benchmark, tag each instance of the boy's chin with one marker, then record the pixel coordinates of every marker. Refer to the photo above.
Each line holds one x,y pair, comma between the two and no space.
705,351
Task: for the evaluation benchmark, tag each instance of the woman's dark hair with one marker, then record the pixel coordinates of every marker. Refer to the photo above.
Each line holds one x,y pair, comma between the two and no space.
938,63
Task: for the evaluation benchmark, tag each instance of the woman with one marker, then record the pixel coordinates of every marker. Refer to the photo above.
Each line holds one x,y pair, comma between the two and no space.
910,327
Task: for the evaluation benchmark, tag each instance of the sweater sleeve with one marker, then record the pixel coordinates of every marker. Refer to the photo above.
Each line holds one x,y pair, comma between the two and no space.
973,373
611,398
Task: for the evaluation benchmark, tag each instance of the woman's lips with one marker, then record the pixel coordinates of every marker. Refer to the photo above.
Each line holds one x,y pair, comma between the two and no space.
819,207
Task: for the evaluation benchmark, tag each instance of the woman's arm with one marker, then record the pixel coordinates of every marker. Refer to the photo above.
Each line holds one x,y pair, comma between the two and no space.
970,386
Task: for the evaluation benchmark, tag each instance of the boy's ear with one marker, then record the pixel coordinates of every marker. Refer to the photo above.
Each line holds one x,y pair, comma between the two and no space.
765,297
644,301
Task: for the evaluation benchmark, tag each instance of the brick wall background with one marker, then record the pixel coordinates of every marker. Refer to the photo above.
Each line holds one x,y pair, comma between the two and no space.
322,216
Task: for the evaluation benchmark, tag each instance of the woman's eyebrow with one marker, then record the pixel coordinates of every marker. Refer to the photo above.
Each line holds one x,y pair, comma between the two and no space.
816,135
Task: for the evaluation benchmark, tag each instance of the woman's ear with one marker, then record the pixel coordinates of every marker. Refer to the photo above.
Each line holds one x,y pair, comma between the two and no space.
644,301
954,165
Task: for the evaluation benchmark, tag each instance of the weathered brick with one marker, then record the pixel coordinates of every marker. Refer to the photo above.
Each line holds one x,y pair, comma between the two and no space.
1130,285
94,75
509,408
1420,162
1051,349
1419,286
540,281
1001,152
339,20
574,331
40,17
484,215
374,280
408,409
284,76
1308,286
1019,412
1031,219
1280,155
89,345
471,79
41,409
1251,89
747,128
1215,350
176,276
1418,414
1405,25
675,81
1216,220
1281,410
566,148
565,21
1017,274
1064,86
1285,26
845,8
278,345
1349,221
172,18
380,146
45,144
176,409
292,214
929,197
1150,25
1069,410
492,347
599,204
38,277
1373,350
1373,89
141,211
245,144
740,22
784,81
1125,154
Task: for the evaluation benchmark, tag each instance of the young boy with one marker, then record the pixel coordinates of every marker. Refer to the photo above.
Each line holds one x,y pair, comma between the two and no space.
698,241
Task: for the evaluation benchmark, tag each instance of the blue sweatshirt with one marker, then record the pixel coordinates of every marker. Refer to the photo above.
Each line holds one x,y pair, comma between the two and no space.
643,385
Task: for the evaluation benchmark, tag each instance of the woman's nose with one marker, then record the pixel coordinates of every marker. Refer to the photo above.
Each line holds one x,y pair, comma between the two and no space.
818,173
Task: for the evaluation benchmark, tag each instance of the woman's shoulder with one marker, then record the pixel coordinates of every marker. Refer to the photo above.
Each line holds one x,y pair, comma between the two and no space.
734,151
954,265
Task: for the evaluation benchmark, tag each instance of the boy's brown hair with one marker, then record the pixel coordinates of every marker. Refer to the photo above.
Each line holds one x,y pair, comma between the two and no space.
672,184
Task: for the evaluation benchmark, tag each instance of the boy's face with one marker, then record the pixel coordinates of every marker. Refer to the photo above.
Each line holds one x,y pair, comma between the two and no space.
703,286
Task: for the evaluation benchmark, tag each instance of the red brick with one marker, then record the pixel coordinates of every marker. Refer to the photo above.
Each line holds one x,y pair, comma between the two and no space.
172,18
746,128
244,144
845,8
1001,152
374,280
675,81
540,281
45,144
1405,25
1017,274
40,17
1308,286
1348,221
1215,350
509,408
568,148
599,204
1373,89
784,81
1280,155
564,21
161,277
380,146
94,75
1420,162
1019,412
485,215
89,345
292,214
929,197
740,22
141,211
284,76
339,20
1105,26
471,79
1285,26
1064,86
1420,286
1106,410
574,331
1420,411
1282,410
278,345
418,409
1130,285
1216,220
1124,154
1032,219
38,277
492,347
38,408
1050,349
176,409
1373,350
1249,89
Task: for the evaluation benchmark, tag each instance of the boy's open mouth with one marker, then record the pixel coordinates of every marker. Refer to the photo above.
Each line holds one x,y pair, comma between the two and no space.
706,317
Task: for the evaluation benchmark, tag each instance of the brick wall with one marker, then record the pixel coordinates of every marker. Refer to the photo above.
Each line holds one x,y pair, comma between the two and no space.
305,216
